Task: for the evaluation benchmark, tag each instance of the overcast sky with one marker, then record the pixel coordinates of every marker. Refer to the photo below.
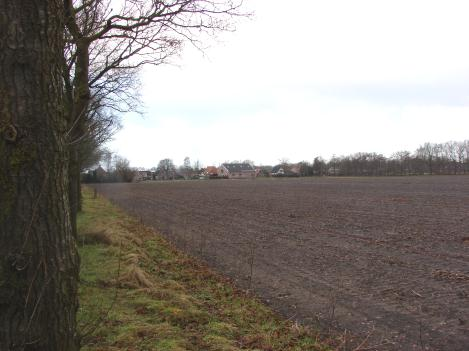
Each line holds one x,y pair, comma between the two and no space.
308,78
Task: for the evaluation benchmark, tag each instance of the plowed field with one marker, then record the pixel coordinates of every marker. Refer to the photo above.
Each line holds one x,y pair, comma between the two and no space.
386,258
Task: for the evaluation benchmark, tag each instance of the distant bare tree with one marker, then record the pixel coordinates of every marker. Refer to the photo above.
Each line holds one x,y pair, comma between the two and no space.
427,153
333,166
107,159
123,170
466,156
306,169
403,161
94,157
166,169
186,169
460,152
450,150
319,166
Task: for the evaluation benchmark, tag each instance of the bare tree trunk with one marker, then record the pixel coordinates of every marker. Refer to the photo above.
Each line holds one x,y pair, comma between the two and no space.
38,257
78,122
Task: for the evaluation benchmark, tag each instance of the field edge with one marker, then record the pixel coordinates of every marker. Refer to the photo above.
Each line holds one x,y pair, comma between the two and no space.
137,292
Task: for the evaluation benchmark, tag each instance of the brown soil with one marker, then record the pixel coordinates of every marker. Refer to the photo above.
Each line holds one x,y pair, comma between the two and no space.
385,257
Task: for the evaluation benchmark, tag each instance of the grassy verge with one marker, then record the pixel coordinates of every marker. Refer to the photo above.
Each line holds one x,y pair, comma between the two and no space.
139,293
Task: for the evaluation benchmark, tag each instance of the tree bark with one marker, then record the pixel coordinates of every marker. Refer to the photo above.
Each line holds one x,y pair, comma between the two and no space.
74,187
38,256
78,115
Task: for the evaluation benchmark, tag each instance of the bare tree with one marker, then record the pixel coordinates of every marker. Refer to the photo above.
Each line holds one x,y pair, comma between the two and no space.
466,156
166,169
186,170
108,45
460,152
319,166
38,257
427,153
106,158
98,61
94,157
450,150
403,160
122,169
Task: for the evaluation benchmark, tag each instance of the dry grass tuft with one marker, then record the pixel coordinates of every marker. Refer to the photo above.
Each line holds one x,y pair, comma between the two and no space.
96,237
135,277
131,237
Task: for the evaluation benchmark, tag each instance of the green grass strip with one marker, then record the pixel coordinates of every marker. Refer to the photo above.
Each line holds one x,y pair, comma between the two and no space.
137,292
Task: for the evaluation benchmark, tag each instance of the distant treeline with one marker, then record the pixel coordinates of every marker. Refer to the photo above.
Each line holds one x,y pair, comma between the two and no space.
431,158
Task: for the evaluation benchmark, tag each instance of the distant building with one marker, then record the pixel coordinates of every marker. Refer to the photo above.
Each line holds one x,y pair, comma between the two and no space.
237,171
143,175
278,171
286,170
211,172
263,171
100,174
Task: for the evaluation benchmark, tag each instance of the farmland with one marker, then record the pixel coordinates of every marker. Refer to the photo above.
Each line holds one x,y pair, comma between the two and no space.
385,258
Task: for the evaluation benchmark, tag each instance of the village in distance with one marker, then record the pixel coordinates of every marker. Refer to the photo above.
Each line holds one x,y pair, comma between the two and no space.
431,158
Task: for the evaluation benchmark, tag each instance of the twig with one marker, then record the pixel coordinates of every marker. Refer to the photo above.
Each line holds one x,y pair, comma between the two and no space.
359,347
251,264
